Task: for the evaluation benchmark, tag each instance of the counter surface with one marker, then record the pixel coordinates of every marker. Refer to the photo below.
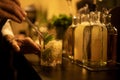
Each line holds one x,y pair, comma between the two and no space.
70,71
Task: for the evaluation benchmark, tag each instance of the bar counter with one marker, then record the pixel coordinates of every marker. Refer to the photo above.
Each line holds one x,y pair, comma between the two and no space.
71,71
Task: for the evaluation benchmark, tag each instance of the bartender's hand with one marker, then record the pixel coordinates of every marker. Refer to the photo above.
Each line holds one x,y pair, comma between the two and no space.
10,9
23,44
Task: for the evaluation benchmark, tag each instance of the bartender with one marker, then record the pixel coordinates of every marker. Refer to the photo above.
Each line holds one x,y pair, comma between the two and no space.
13,65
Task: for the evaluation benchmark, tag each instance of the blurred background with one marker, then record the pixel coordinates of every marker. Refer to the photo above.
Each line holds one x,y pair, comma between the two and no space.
43,10
55,7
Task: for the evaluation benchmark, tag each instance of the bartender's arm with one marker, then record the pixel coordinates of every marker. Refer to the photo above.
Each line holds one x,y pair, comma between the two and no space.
19,43
10,9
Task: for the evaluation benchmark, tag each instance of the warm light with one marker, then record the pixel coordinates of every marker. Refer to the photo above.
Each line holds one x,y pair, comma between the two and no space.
100,0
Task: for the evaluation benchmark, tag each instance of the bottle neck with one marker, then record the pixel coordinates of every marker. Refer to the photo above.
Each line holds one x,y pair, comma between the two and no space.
75,21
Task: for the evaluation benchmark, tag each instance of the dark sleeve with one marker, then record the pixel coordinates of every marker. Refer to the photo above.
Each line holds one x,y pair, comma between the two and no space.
4,46
2,22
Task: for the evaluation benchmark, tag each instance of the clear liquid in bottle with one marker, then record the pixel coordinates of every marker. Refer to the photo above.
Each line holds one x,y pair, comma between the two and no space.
95,43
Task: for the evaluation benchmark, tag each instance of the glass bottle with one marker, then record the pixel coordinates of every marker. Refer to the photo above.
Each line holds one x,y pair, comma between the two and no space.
78,45
83,16
95,42
112,41
69,39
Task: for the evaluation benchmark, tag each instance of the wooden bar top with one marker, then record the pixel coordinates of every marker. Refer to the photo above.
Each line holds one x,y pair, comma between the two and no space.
71,71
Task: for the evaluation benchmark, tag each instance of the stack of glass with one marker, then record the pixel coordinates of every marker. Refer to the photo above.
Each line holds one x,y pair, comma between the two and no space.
95,39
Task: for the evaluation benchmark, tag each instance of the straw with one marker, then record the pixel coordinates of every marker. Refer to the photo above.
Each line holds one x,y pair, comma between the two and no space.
34,27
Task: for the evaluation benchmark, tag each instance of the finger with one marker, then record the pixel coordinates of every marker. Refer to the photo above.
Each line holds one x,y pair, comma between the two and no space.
17,2
15,46
12,42
11,8
18,11
32,43
10,16
29,46
19,8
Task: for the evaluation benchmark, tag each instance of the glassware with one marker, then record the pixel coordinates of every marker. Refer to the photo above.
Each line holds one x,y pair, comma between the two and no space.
83,21
112,41
69,39
51,55
91,40
51,49
78,43
95,43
